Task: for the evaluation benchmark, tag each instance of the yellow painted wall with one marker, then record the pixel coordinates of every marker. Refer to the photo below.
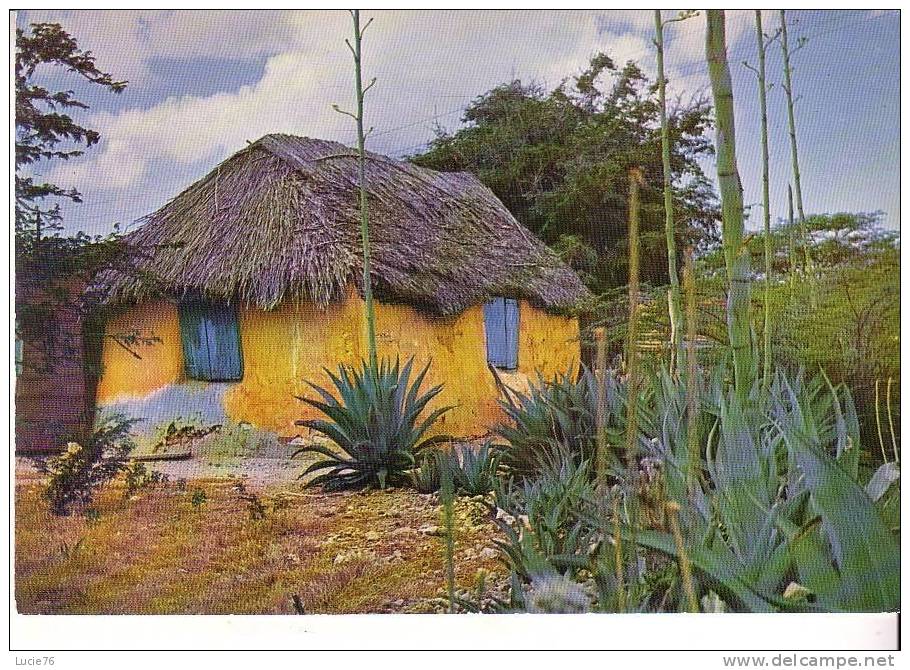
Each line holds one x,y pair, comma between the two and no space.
546,343
160,363
284,347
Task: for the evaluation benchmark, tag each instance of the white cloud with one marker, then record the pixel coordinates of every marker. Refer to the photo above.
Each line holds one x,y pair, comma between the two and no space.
427,65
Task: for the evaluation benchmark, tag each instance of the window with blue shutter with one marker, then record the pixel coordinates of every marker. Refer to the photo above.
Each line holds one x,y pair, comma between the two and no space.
500,317
211,341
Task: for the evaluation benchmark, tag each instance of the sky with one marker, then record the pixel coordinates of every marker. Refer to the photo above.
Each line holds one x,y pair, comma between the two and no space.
204,83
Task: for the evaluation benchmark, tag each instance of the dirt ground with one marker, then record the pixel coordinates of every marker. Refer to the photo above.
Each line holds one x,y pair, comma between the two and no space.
229,536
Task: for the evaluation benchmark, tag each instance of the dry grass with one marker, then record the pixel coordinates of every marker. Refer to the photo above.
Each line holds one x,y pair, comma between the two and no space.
160,554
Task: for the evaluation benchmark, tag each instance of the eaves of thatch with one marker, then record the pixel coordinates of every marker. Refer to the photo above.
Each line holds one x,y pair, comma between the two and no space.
279,221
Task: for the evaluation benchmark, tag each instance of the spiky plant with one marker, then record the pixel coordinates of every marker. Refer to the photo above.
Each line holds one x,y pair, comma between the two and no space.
555,419
781,521
376,423
476,469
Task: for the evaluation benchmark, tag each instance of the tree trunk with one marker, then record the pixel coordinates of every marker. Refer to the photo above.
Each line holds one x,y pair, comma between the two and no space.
736,255
766,199
673,297
364,214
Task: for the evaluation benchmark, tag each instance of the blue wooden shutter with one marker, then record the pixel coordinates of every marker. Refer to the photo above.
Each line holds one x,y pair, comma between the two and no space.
211,341
223,338
193,335
501,326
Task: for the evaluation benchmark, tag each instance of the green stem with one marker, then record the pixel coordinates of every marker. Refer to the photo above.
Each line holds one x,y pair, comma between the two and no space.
794,154
736,254
792,245
364,215
632,363
447,493
766,200
673,295
693,470
878,423
897,458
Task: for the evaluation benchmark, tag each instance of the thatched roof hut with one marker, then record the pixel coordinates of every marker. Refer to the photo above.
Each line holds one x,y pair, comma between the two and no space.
279,220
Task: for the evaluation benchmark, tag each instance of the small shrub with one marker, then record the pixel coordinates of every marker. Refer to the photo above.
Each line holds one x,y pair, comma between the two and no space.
546,521
198,498
80,470
427,476
238,440
376,422
137,477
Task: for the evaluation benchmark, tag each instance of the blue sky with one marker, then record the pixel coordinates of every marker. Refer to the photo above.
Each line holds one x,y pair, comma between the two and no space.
204,83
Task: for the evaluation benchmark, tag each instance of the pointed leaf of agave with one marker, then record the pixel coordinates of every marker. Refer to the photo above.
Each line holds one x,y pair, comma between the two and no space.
714,567
866,552
740,480
813,560
881,481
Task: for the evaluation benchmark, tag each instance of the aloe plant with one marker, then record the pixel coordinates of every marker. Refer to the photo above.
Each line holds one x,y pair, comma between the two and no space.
376,423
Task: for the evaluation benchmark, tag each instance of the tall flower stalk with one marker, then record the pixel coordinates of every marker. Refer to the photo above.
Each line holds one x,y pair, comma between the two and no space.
766,200
736,255
632,359
360,90
673,295
794,153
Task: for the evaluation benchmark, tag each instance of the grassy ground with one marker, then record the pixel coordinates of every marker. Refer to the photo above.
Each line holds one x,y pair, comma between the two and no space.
206,547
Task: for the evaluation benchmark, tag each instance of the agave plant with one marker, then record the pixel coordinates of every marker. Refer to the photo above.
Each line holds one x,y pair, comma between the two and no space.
556,417
549,523
476,469
781,522
376,423
427,476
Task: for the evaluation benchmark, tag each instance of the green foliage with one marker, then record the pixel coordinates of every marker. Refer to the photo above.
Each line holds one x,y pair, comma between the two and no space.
376,421
559,161
475,469
43,132
853,332
77,473
554,419
427,476
543,521
198,498
237,440
137,477
780,510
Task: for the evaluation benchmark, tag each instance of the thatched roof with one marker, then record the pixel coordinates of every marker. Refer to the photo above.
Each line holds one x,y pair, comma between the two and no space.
280,220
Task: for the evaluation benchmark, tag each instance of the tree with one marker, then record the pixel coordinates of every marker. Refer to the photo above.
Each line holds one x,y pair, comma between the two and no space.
673,296
44,131
559,161
736,253
55,266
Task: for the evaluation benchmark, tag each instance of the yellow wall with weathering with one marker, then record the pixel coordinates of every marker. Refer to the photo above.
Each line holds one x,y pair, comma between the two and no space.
289,345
